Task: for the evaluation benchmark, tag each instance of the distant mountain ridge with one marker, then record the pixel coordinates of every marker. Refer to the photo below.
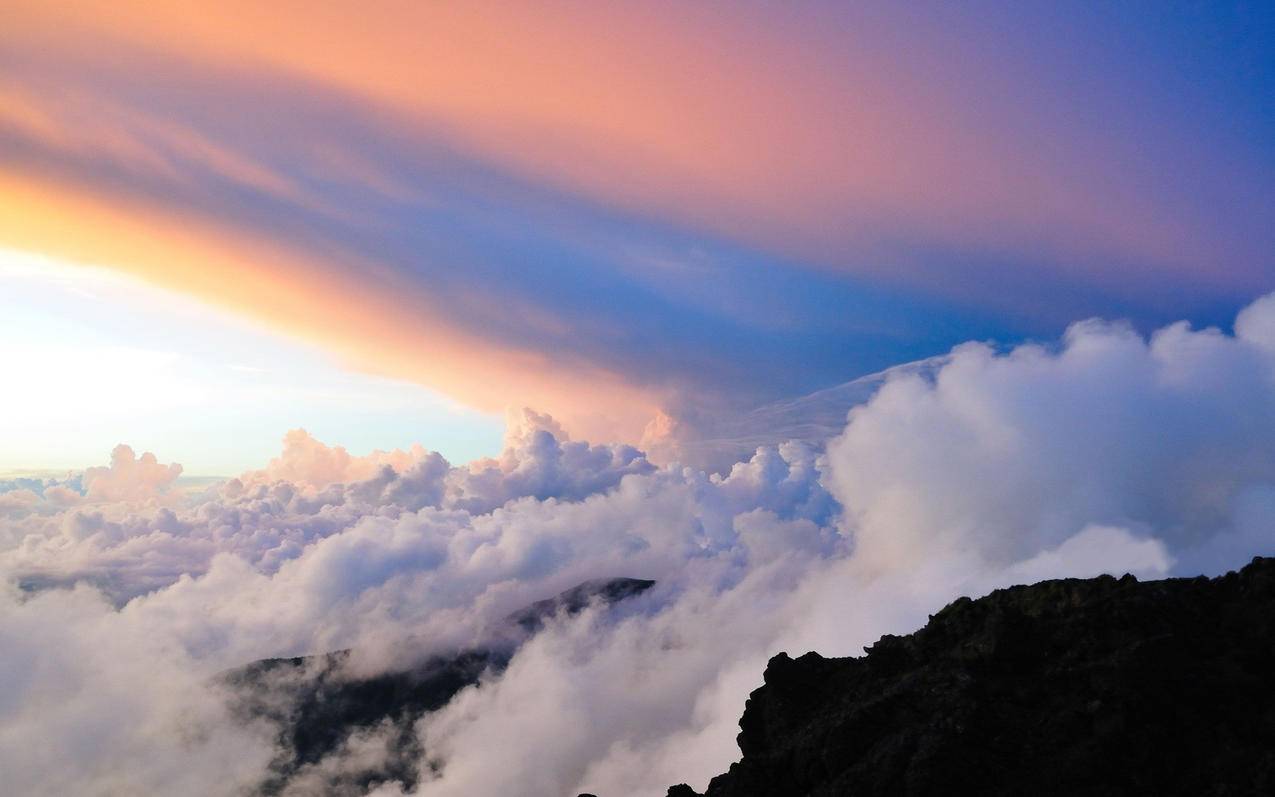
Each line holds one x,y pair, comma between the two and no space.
1103,686
316,706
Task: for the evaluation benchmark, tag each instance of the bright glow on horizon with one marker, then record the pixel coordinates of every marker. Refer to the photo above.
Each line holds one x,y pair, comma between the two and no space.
97,358
813,316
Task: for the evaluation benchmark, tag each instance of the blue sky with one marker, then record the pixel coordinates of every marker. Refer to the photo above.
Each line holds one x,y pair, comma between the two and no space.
609,211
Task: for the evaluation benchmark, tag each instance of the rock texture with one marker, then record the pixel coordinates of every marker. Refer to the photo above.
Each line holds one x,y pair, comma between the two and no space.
1074,687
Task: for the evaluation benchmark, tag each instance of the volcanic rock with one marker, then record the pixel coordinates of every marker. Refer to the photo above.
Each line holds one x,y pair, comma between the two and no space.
1103,686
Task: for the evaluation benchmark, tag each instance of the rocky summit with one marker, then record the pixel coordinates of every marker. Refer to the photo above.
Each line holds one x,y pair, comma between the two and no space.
1105,686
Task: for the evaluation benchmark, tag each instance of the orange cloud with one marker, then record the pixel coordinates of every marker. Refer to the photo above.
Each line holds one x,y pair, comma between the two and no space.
802,133
362,324
826,136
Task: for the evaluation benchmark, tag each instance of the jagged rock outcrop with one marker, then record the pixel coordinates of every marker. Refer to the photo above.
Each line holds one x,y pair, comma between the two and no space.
316,705
1103,686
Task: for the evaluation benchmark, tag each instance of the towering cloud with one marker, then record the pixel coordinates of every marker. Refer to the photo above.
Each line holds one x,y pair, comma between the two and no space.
126,595
129,477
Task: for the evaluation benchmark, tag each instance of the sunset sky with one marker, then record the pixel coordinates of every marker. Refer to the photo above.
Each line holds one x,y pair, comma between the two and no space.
340,337
601,211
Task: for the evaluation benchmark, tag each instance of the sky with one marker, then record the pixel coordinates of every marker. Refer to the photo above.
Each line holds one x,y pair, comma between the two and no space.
352,326
611,210
100,357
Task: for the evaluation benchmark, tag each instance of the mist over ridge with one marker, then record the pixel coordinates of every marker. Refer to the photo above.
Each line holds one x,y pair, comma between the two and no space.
1106,452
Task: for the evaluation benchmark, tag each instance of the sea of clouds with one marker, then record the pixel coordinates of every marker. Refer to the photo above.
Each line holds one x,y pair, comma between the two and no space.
125,595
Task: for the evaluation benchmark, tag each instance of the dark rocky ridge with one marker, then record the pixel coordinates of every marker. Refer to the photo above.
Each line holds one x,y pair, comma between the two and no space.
316,706
1097,687
607,590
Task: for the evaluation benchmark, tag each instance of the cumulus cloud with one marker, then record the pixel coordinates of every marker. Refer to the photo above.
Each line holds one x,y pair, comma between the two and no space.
307,461
95,703
1107,452
1007,455
130,477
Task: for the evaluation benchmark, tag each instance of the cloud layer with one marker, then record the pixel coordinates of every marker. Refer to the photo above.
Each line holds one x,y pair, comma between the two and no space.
602,209
125,594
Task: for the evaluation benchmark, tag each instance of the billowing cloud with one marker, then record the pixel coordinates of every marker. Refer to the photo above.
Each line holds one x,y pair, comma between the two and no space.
1105,452
129,477
1172,436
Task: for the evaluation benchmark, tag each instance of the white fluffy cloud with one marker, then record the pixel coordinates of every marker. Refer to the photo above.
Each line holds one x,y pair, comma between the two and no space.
1008,455
1106,453
130,477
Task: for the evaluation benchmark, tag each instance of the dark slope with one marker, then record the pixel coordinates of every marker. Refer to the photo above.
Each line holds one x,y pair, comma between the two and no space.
316,706
1096,687
572,601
